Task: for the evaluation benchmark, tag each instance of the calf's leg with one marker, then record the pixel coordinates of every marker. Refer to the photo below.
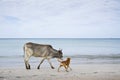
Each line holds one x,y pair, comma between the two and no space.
65,66
59,67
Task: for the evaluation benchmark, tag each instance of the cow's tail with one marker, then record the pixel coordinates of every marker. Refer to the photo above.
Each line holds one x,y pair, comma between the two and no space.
24,49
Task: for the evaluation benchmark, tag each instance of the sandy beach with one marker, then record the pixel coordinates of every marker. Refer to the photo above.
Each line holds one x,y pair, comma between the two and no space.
79,72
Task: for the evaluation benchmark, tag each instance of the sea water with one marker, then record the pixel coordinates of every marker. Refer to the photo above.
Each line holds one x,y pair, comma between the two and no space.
81,50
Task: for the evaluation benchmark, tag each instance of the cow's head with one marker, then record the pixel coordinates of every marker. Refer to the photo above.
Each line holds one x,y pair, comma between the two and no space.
60,54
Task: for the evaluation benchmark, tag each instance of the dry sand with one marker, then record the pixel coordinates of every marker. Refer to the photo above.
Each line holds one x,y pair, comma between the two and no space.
79,72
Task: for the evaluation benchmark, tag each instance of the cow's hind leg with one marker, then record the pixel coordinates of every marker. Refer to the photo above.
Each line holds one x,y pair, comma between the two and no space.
27,65
40,63
50,64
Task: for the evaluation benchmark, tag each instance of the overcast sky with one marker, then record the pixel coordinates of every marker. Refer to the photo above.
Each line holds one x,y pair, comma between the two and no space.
59,18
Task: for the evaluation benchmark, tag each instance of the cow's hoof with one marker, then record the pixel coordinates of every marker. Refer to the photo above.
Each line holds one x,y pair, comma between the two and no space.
52,67
28,68
38,68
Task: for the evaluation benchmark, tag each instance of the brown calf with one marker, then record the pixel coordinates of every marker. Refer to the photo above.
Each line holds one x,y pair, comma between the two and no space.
65,64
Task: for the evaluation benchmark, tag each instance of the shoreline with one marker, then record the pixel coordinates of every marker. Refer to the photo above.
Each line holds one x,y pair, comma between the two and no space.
82,71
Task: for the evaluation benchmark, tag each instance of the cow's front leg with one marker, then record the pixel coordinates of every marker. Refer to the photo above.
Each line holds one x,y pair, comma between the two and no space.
40,63
50,64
